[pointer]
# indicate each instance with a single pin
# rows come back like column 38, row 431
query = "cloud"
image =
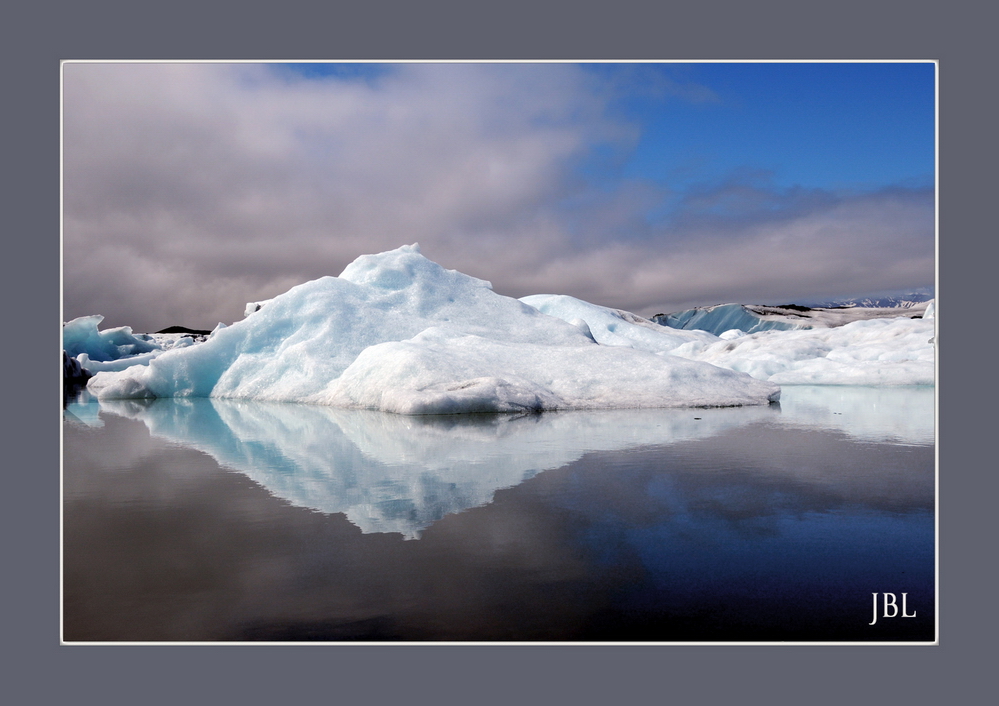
column 191, row 189
column 850, row 244
column 205, row 175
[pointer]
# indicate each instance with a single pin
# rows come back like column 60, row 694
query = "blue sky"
column 648, row 187
column 822, row 125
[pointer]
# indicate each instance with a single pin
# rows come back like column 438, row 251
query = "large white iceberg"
column 398, row 333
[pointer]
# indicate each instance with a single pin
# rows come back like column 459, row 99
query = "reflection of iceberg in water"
column 83, row 411
column 391, row 473
column 881, row 414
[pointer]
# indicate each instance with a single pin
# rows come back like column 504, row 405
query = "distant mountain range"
column 883, row 300
column 752, row 318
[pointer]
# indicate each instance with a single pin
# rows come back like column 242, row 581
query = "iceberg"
column 727, row 317
column 81, row 337
column 396, row 332
column 878, row 351
column 118, row 348
column 753, row 318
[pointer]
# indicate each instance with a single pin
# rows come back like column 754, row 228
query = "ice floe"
column 81, row 336
column 396, row 332
column 874, row 351
column 753, row 318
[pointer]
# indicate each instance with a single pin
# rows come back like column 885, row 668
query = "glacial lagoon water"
column 214, row 520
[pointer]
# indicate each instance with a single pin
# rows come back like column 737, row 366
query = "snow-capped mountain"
column 880, row 300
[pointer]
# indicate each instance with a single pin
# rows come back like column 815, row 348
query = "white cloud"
column 191, row 189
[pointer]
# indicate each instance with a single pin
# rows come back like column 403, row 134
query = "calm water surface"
column 192, row 520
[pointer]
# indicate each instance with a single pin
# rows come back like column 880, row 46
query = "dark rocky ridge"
column 74, row 377
column 184, row 329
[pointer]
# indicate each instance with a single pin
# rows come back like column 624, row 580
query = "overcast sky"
column 191, row 189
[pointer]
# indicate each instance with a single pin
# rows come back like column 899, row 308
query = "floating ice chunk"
column 753, row 318
column 931, row 309
column 397, row 332
column 81, row 336
column 725, row 317
column 167, row 341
